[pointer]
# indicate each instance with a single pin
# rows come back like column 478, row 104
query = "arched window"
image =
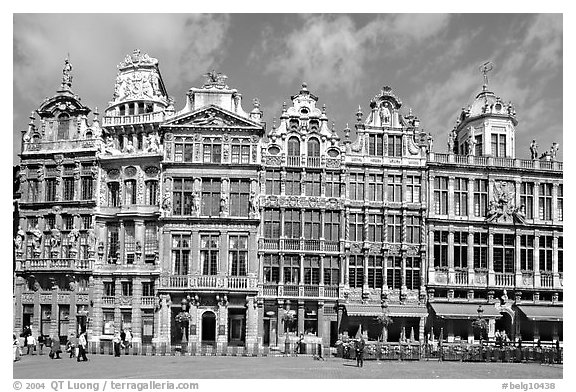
column 293, row 151
column 63, row 126
column 313, row 152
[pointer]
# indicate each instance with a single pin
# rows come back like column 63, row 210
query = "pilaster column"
column 451, row 197
column 136, row 309
column 117, row 311
column 517, row 266
column 321, row 326
column 470, row 255
column 121, row 240
column 300, row 317
column 253, row 319
column 279, row 320
column 491, row 276
column 537, row 260
column 260, row 327
column 451, row 274
column 555, row 274
column 431, row 274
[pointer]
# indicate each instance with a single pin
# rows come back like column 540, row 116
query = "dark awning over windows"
column 373, row 310
column 463, row 311
column 542, row 313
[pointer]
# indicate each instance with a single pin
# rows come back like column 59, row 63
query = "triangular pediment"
column 210, row 117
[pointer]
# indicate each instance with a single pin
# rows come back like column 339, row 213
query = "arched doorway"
column 208, row 327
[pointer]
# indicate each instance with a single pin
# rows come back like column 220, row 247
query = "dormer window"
column 314, row 125
column 294, row 125
column 63, row 126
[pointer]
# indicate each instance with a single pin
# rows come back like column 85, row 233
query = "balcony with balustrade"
column 299, row 244
column 144, row 118
column 299, row 291
column 208, row 283
column 61, row 146
column 482, row 161
column 56, row 265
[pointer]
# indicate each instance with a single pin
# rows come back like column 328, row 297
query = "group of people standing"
column 121, row 339
column 76, row 345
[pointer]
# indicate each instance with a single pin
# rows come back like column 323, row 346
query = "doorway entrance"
column 208, row 327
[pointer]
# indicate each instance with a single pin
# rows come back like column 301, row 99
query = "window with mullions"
column 332, row 225
column 86, row 222
column 293, row 183
column 332, row 184
column 150, row 242
column 238, row 254
column 147, row 289
column 395, row 188
column 375, row 228
column 272, row 224
column 394, row 145
column 479, row 146
column 460, row 249
column 498, row 145
column 356, row 227
column 292, row 223
column 113, row 194
column 312, row 225
column 127, row 289
column 357, row 186
column 527, row 253
column 413, row 187
column 375, row 145
column 560, row 202
column 375, row 272
column 375, row 187
column 50, row 189
column 527, row 198
column 63, row 126
column 240, row 151
column 413, row 273
column 441, row 249
column 209, row 252
column 129, row 242
column 312, row 184
column 50, row 222
column 33, row 190
column 561, row 255
column 313, row 146
column 113, row 243
column 441, row 195
column 545, row 202
column 84, row 246
column 212, row 150
column 67, row 222
column 480, row 250
column 503, row 253
column 291, row 269
column 331, row 270
column 239, row 195
column 110, row 289
column 183, row 148
column 461, row 196
column 356, row 271
column 480, row 197
column 293, row 153
column 130, row 192
column 68, row 188
column 394, row 272
column 87, row 185
column 181, row 254
column 311, row 269
column 413, row 229
column 272, row 182
column 545, row 253
column 271, row 268
column 182, row 196
column 394, row 228
column 211, row 188
column 152, row 192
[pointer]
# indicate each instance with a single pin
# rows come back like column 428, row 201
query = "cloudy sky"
column 430, row 60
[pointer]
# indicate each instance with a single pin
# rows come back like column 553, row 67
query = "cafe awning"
column 541, row 313
column 366, row 310
column 463, row 311
column 373, row 310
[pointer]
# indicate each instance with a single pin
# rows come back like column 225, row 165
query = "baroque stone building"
column 200, row 227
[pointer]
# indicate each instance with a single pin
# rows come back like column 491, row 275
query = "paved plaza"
column 169, row 367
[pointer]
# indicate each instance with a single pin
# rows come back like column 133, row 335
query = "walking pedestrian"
column 360, row 345
column 82, row 344
column 116, row 341
column 16, row 351
column 71, row 345
column 41, row 342
column 129, row 337
column 31, row 343
column 55, row 349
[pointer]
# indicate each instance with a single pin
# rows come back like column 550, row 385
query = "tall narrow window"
column 413, row 229
column 394, row 228
column 312, row 270
column 545, row 202
column 130, row 192
column 527, row 253
column 180, row 254
column 291, row 269
column 527, row 199
column 50, row 189
column 182, row 196
column 440, row 249
column 212, row 150
column 561, row 256
column 313, row 152
column 560, row 202
column 63, row 126
column 395, row 145
column 33, row 190
column 357, row 186
column 293, row 155
column 240, row 151
column 460, row 249
column 113, row 244
column 129, row 242
column 375, row 271
column 113, row 194
column 87, row 186
column 271, row 268
column 461, row 196
column 272, row 224
column 394, row 272
column 293, row 183
column 480, row 197
column 292, row 222
column 413, row 273
column 239, row 195
column 209, row 248
column 312, row 225
column 441, row 195
column 147, row 289
column 211, row 188
column 332, row 226
column 375, row 228
column 127, row 289
column 413, row 189
column 503, row 253
column 376, row 145
column 312, row 184
column 375, row 187
column 84, row 246
column 395, row 188
column 331, row 270
column 332, row 184
column 478, row 146
column 480, row 251
column 272, row 182
column 356, row 271
column 68, row 188
column 238, row 254
column 150, row 242
column 152, row 192
column 545, row 250
column 356, row 227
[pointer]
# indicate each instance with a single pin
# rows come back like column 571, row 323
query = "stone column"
column 320, row 314
column 451, row 197
column 421, row 329
column 260, row 327
column 555, row 274
column 222, row 324
column 470, row 256
column 136, row 309
column 280, row 321
column 300, row 317
column 162, row 331
column 117, row 311
column 253, row 319
column 97, row 313
column 537, row 260
column 517, row 266
column 491, row 276
column 431, row 274
column 139, row 233
column 451, row 274
column 121, row 239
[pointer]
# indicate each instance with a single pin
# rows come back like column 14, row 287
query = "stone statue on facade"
column 471, row 144
column 153, row 143
column 91, row 240
column 129, row 149
column 110, row 148
column 451, row 143
column 55, row 239
column 167, row 202
column 73, row 238
column 223, row 204
column 67, row 74
column 430, row 142
column 554, row 150
column 254, row 203
column 19, row 239
column 36, row 238
column 195, row 202
column 533, row 150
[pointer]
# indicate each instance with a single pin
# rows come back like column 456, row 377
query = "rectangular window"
column 312, row 270
column 130, row 242
column 441, row 195
column 240, row 151
column 212, row 151
column 413, row 187
column 67, row 222
column 312, row 184
column 152, row 192
column 182, row 196
column 291, row 269
column 356, row 271
column 376, row 145
column 461, row 249
column 292, row 223
column 130, row 192
column 480, row 251
column 238, row 254
column 527, row 253
column 87, row 188
column 413, row 273
column 375, row 272
column 356, row 227
column 113, row 194
column 271, row 268
column 357, row 186
column 332, row 184
column 113, row 244
column 312, row 225
column 50, row 189
column 498, row 145
column 331, row 271
column 545, row 253
column 84, row 246
column 478, row 147
column 127, row 289
column 50, row 222
column 183, row 148
column 147, row 289
column 527, row 199
column 560, row 202
column 68, row 188
column 272, row 223
column 332, row 226
column 394, row 145
column 150, row 242
column 211, row 188
column 239, row 195
column 33, row 191
column 503, row 253
column 86, row 222
column 545, row 202
column 209, row 253
column 480, row 197
column 375, row 228
column 413, row 224
column 375, row 187
column 394, row 272
column 561, row 255
column 181, row 254
column 440, row 249
column 395, row 188
column 394, row 228
column 460, row 196
column 293, row 183
column 110, row 289
column 272, row 182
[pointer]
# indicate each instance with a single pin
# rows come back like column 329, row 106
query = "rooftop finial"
column 215, row 78
column 484, row 69
column 67, row 74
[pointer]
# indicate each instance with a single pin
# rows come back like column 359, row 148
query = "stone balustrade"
column 45, row 264
column 241, row 283
column 495, row 162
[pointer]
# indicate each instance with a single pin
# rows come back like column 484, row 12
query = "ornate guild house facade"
column 202, row 228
